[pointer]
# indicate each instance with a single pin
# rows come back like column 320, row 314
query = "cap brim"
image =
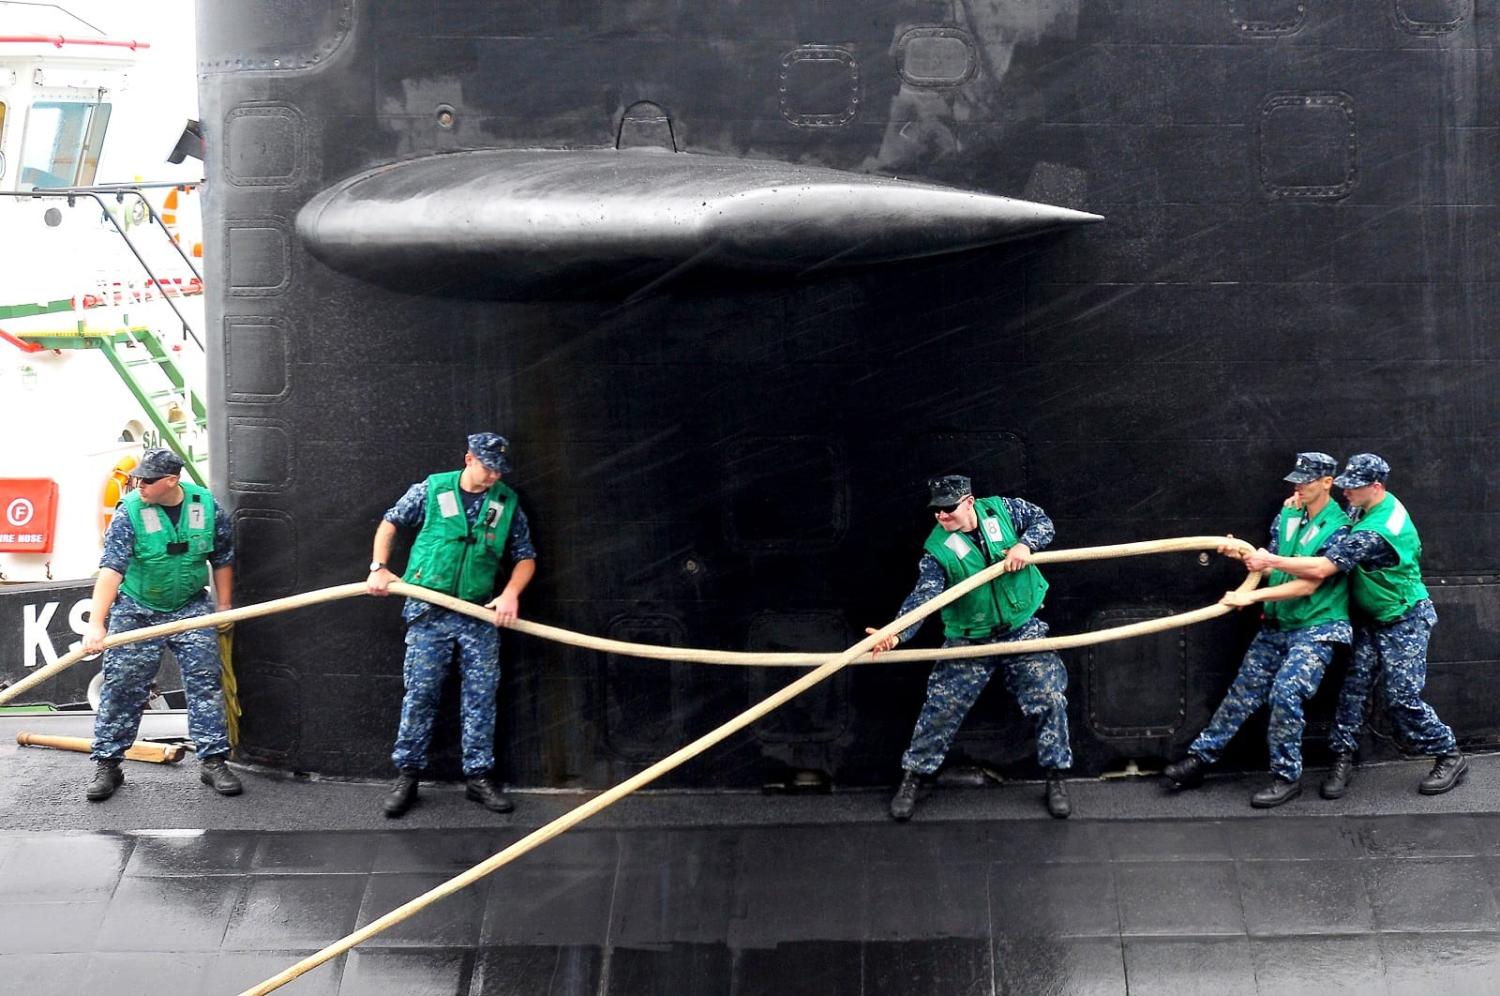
column 1300, row 478
column 1350, row 482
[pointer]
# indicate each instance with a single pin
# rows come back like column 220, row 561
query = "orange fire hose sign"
column 28, row 514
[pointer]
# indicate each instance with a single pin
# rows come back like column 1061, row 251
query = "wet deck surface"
column 741, row 894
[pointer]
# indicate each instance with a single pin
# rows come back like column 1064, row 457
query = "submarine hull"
column 1299, row 250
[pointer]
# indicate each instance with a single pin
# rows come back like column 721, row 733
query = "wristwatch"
column 376, row 565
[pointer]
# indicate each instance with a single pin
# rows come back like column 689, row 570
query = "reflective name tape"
column 1397, row 520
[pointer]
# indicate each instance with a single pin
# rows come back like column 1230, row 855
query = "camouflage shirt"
column 1034, row 528
column 1365, row 548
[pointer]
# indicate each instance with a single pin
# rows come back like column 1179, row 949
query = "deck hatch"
column 255, row 359
column 819, row 86
column 263, row 145
column 265, row 543
column 275, row 37
column 260, row 455
column 258, row 258
column 820, row 715
column 1308, row 145
column 784, row 494
column 1431, row 17
column 1268, row 17
column 1135, row 688
column 936, row 56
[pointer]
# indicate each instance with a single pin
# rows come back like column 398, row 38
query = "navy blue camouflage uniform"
column 433, row 635
column 1038, row 682
column 1283, row 668
column 130, row 670
column 1391, row 657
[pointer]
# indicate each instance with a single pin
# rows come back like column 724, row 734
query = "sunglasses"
column 945, row 509
column 145, row 480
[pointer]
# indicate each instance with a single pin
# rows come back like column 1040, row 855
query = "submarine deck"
column 169, row 888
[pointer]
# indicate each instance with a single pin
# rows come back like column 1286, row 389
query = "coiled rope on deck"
column 827, row 667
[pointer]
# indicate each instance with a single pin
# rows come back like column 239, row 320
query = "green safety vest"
column 1296, row 538
column 168, row 564
column 1387, row 594
column 1004, row 603
column 452, row 556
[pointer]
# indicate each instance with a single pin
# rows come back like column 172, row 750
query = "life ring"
column 115, row 487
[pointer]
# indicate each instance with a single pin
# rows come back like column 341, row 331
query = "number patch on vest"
column 447, row 504
column 992, row 530
column 196, row 518
column 958, row 545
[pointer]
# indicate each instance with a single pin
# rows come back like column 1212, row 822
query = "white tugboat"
column 100, row 311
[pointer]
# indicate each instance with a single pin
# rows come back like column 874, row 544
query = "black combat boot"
column 1057, row 796
column 1280, row 790
column 484, row 792
column 216, row 773
column 1339, row 776
column 402, row 796
column 913, row 787
column 1184, row 774
column 1446, row 773
column 107, row 778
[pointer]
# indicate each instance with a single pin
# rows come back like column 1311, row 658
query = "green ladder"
column 116, row 346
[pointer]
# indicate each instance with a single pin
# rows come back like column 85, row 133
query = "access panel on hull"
column 1301, row 205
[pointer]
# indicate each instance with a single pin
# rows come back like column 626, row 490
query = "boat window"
column 61, row 148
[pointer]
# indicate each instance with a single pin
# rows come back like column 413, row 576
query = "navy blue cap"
column 489, row 449
column 949, row 489
column 158, row 462
column 1311, row 466
column 1363, row 470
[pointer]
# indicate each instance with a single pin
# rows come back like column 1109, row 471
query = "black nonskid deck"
column 168, row 888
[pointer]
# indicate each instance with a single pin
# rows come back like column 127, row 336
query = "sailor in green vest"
column 1393, row 622
column 1301, row 623
column 159, row 548
column 970, row 535
column 469, row 524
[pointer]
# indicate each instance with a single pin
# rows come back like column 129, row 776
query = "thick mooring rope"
column 825, row 667
column 692, row 655
column 826, row 670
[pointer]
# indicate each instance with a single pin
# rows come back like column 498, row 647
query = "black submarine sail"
column 662, row 247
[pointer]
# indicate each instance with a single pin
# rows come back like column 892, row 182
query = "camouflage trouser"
column 1393, row 658
column 1039, row 683
column 129, row 671
column 1283, row 669
column 431, row 640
